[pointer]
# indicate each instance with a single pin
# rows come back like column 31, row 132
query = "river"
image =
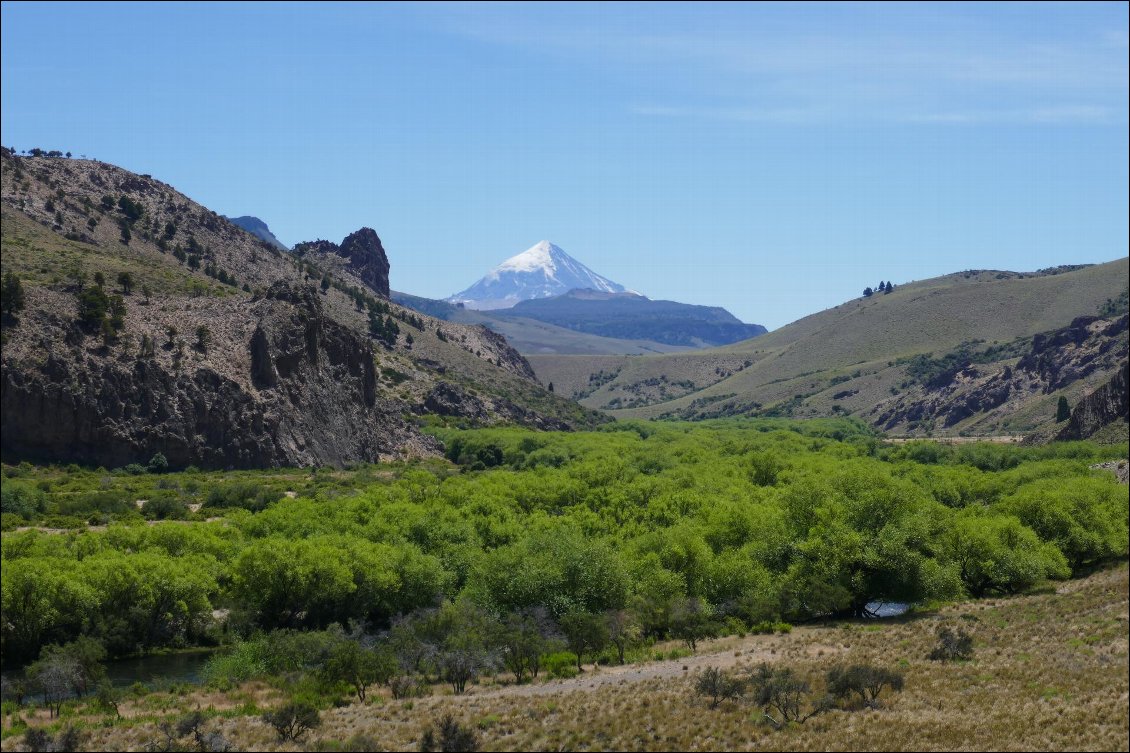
column 183, row 666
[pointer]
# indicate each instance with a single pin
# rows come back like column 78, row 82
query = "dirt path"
column 723, row 653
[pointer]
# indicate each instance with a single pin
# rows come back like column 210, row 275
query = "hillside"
column 855, row 358
column 287, row 371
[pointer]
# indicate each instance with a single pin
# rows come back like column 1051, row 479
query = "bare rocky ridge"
column 290, row 375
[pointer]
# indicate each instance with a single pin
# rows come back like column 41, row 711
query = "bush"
column 68, row 738
column 21, row 500
column 952, row 645
column 164, row 507
column 248, row 496
column 718, row 686
column 293, row 720
column 779, row 691
column 863, row 680
column 561, row 665
column 448, row 735
column 406, row 686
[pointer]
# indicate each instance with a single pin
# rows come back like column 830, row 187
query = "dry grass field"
column 1049, row 672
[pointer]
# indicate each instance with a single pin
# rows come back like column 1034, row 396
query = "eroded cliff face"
column 1104, row 406
column 1089, row 345
column 283, row 385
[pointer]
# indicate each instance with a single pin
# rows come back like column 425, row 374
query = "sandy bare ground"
column 723, row 653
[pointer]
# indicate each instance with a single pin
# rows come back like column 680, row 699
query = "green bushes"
column 247, row 496
column 20, row 499
column 562, row 665
column 640, row 532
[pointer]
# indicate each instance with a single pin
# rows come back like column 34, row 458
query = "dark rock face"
column 367, row 258
column 312, row 399
column 364, row 255
column 447, row 399
column 1105, row 405
column 1055, row 360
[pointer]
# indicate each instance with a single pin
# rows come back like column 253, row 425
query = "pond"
column 888, row 608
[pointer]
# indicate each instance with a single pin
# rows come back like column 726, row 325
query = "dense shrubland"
column 538, row 549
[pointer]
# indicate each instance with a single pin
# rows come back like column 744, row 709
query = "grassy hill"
column 860, row 347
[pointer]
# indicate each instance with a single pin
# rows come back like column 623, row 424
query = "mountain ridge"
column 259, row 229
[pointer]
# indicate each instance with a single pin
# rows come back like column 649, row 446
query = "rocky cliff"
column 360, row 254
column 1090, row 346
column 1104, row 406
column 299, row 390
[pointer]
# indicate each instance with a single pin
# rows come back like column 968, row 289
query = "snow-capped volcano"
column 541, row 271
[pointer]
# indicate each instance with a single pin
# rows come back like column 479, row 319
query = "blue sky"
column 772, row 159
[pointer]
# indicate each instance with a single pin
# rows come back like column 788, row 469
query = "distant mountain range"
column 633, row 317
column 598, row 323
column 545, row 301
column 541, row 271
column 259, row 229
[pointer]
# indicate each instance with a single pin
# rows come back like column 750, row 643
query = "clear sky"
column 772, row 159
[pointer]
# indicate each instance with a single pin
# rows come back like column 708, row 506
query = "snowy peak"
column 541, row 271
column 541, row 257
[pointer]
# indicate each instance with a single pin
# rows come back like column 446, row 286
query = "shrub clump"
column 293, row 720
column 864, row 680
column 953, row 645
column 448, row 736
column 718, row 686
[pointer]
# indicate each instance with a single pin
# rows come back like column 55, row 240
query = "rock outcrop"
column 1088, row 346
column 454, row 401
column 1107, row 404
column 363, row 254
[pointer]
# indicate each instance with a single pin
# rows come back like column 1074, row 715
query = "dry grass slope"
column 858, row 340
